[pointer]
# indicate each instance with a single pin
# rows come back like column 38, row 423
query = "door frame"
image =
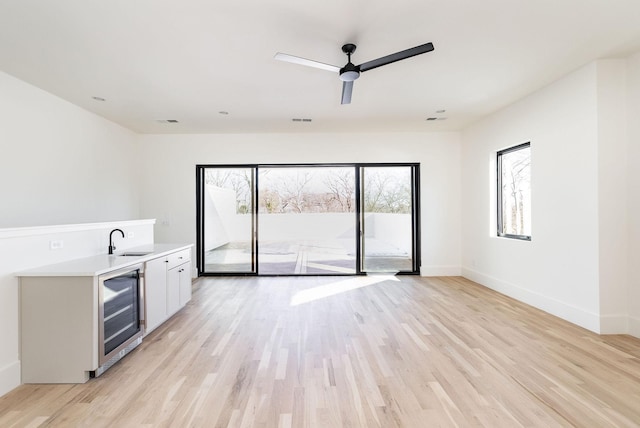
column 358, row 221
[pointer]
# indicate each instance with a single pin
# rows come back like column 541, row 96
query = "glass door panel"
column 387, row 220
column 228, row 221
column 306, row 220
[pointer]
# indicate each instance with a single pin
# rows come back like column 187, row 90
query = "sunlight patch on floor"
column 331, row 289
column 330, row 268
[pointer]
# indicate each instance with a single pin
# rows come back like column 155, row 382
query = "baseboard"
column 634, row 327
column 9, row 377
column 567, row 312
column 440, row 271
column 614, row 324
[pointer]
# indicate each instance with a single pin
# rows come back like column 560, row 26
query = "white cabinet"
column 59, row 328
column 167, row 285
column 155, row 292
column 60, row 308
column 184, row 272
column 173, row 291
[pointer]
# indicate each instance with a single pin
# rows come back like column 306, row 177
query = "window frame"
column 499, row 212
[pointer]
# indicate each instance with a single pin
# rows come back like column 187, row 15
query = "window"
column 514, row 192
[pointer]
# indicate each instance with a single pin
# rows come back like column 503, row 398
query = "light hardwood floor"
column 352, row 352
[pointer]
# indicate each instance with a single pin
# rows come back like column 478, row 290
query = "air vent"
column 432, row 118
column 301, row 120
column 167, row 121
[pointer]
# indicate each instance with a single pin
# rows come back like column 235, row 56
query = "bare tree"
column 269, row 201
column 341, row 187
column 291, row 191
column 385, row 192
column 217, row 177
column 242, row 184
column 374, row 188
column 238, row 180
column 515, row 179
column 295, row 191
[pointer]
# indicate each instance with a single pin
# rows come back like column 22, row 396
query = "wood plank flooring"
column 352, row 352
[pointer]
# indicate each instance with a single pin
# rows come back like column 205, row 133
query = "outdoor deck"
column 302, row 257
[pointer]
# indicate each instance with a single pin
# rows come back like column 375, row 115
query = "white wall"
column 558, row 270
column 584, row 199
column 59, row 164
column 168, row 181
column 633, row 195
column 612, row 195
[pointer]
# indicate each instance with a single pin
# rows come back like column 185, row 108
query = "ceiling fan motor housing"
column 349, row 72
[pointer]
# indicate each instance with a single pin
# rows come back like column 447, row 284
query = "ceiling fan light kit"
column 350, row 72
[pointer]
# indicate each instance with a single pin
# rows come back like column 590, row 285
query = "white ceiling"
column 190, row 59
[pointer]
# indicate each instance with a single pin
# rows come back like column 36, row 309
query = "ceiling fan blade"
column 408, row 53
column 347, row 88
column 308, row 62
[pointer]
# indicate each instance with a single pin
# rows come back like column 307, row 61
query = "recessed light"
column 440, row 111
column 99, row 99
column 223, row 112
column 432, row 118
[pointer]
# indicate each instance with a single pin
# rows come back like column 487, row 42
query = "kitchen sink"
column 135, row 253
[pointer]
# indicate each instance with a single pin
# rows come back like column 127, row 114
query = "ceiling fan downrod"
column 349, row 72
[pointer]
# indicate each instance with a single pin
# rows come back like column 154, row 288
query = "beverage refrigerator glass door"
column 121, row 313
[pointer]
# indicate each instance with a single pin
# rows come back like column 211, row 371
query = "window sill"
column 515, row 237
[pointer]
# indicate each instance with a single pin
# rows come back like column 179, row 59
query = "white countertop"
column 103, row 263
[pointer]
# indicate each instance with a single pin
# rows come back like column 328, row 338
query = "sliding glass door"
column 227, row 223
column 322, row 219
column 307, row 220
column 387, row 240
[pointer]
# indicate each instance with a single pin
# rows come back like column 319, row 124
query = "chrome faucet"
column 111, row 246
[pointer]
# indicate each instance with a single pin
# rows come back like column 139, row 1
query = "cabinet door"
column 155, row 287
column 173, row 290
column 185, row 283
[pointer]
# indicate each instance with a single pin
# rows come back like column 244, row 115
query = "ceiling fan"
column 351, row 72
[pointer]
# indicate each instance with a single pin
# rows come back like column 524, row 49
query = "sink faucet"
column 111, row 246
